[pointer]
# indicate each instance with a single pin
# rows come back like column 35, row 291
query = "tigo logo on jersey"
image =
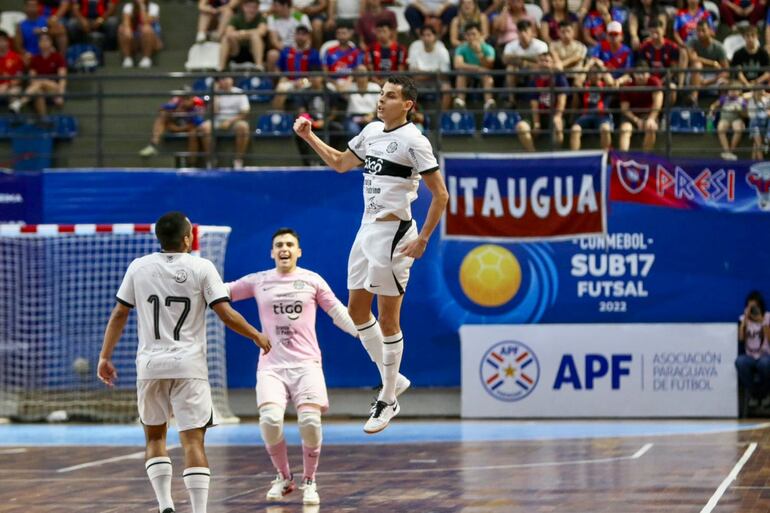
column 509, row 371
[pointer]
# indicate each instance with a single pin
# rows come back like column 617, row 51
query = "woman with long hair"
column 468, row 12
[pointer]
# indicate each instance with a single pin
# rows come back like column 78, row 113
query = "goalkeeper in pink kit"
column 288, row 297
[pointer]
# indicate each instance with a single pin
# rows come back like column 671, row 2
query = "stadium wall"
column 657, row 264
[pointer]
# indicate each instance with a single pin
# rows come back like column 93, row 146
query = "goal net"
column 57, row 289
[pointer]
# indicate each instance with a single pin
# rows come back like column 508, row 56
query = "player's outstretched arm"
column 340, row 161
column 238, row 324
column 439, row 198
column 105, row 371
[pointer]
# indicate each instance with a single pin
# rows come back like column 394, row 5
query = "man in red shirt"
column 10, row 65
column 386, row 55
column 661, row 54
column 640, row 109
column 51, row 71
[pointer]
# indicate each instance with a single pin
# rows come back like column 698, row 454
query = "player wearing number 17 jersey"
column 395, row 157
column 171, row 291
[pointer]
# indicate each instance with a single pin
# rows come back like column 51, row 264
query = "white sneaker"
column 309, row 493
column 128, row 62
column 145, row 63
column 15, row 106
column 729, row 155
column 459, row 103
column 238, row 164
column 382, row 413
column 490, row 104
column 200, row 37
column 280, row 487
column 148, row 151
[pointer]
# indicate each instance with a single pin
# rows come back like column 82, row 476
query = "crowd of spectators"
column 582, row 51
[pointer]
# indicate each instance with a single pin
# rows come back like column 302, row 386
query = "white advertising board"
column 599, row 370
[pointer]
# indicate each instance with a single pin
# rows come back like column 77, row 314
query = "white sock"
column 159, row 471
column 392, row 350
column 371, row 338
column 196, row 479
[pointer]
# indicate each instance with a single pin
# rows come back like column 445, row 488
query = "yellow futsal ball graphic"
column 490, row 275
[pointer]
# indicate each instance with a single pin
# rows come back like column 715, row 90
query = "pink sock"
column 279, row 455
column 310, row 456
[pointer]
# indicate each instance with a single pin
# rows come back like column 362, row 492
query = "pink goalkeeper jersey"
column 287, row 310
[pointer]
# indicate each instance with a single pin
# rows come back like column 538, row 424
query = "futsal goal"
column 57, row 289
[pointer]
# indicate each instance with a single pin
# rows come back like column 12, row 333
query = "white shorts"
column 189, row 400
column 376, row 263
column 301, row 385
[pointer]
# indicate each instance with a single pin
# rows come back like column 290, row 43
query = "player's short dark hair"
column 346, row 24
column 654, row 23
column 703, row 22
column 429, row 28
column 472, row 25
column 170, row 230
column 523, row 25
column 285, row 231
column 564, row 24
column 408, row 89
column 4, row 35
column 382, row 22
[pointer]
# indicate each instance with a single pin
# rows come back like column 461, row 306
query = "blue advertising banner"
column 655, row 265
column 20, row 197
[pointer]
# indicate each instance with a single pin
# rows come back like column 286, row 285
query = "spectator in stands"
column 48, row 75
column 386, row 55
column 687, row 19
column 751, row 60
column 429, row 55
column 640, row 109
column 551, row 22
column 753, row 361
column 596, row 21
column 244, row 37
column 281, row 25
column 758, row 108
column 661, row 54
column 316, row 11
column 28, row 30
column 97, row 20
column 547, row 104
column 349, row 11
column 641, row 19
column 504, row 26
column 11, row 65
column 593, row 112
column 732, row 109
column 231, row 110
column 477, row 57
column 340, row 57
column 611, row 51
column 140, row 32
column 734, row 11
column 708, row 57
column 469, row 12
column 569, row 54
column 522, row 54
column 362, row 103
column 56, row 11
column 438, row 13
column 180, row 115
column 214, row 13
column 371, row 15
column 296, row 62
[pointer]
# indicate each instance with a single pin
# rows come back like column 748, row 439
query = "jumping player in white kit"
column 288, row 297
column 170, row 291
column 395, row 157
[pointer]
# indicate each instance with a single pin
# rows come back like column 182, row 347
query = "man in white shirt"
column 171, row 291
column 522, row 53
column 231, row 111
column 428, row 54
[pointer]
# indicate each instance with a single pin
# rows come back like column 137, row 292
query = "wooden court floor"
column 690, row 473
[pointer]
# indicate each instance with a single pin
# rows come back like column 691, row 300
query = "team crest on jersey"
column 509, row 371
column 299, row 284
column 392, row 147
column 180, row 276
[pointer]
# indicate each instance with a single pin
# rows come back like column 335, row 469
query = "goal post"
column 57, row 289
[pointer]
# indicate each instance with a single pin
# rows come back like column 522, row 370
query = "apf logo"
column 633, row 176
column 759, row 180
column 509, row 371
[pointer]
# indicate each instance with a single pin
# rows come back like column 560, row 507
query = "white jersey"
column 393, row 162
column 170, row 292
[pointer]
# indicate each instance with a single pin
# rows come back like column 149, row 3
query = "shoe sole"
column 312, row 503
column 368, row 432
column 284, row 494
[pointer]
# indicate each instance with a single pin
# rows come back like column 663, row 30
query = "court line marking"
column 711, row 504
column 133, row 455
